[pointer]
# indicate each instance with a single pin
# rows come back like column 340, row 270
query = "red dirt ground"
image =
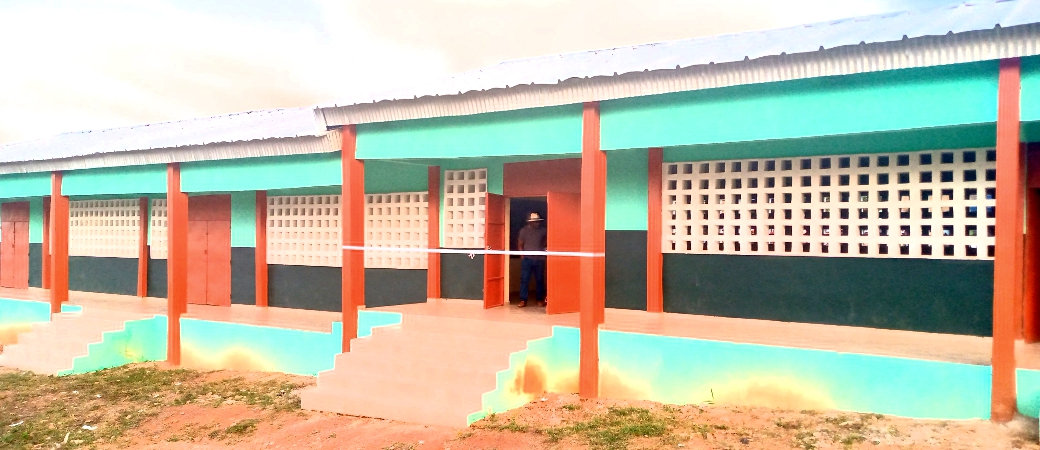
column 692, row 427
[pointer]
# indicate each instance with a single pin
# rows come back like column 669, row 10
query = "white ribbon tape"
column 474, row 251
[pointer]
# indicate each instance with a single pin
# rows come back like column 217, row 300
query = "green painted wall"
column 383, row 177
column 212, row 345
column 36, row 220
column 1028, row 392
column 1031, row 89
column 929, row 295
column 18, row 185
column 680, row 371
column 627, row 183
column 555, row 130
column 243, row 219
column 252, row 174
column 879, row 101
column 149, row 179
column 963, row 136
column 316, row 190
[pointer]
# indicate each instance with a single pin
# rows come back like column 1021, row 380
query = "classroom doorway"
column 209, row 250
column 561, row 213
column 519, row 210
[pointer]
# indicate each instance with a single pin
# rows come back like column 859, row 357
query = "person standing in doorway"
column 532, row 238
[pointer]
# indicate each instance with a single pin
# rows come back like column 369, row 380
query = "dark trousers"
column 534, row 267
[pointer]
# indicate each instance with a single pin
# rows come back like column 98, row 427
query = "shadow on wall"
column 208, row 345
column 17, row 316
column 690, row 371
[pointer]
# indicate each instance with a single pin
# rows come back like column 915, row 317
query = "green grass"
column 46, row 409
column 614, row 429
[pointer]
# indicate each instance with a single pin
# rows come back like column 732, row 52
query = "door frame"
column 496, row 237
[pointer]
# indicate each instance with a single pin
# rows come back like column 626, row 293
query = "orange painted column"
column 45, row 275
column 433, row 262
column 1008, row 261
column 176, row 260
column 59, row 291
column 261, row 248
column 654, row 257
column 142, row 249
column 353, row 222
column 593, row 239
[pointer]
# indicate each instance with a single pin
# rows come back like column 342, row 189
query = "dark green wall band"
column 157, row 278
column 934, row 296
column 305, row 287
column 386, row 287
column 462, row 277
column 243, row 275
column 626, row 270
column 105, row 275
column 35, row 265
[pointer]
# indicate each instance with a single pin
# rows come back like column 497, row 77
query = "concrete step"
column 429, row 370
column 473, row 327
column 51, row 347
column 390, row 407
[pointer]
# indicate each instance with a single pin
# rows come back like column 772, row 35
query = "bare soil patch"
column 153, row 407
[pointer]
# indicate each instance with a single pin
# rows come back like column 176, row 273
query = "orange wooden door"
column 218, row 263
column 197, row 264
column 494, row 239
column 563, row 234
column 14, row 245
column 209, row 250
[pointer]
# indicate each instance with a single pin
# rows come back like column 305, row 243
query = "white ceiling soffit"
column 192, row 133
column 968, row 32
column 327, row 142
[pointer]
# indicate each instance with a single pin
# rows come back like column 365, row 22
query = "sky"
column 92, row 64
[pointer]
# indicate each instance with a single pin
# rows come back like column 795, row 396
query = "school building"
column 843, row 215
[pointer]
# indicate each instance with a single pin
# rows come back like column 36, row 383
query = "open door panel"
column 563, row 235
column 494, row 239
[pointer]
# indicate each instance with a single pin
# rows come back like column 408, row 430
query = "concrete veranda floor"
column 897, row 343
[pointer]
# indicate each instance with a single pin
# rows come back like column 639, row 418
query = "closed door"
column 14, row 245
column 209, row 250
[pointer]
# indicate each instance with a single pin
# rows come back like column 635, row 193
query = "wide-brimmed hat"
column 534, row 217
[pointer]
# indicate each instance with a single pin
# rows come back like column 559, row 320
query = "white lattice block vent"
column 464, row 194
column 104, row 228
column 931, row 204
column 397, row 220
column 157, row 230
column 304, row 230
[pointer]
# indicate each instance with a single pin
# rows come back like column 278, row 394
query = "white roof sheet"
column 889, row 27
column 246, row 126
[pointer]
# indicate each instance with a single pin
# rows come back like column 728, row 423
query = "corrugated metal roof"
column 963, row 32
column 329, row 142
column 239, row 127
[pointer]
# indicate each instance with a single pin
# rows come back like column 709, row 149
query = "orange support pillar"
column 176, row 260
column 261, row 248
column 1008, row 261
column 59, row 244
column 142, row 248
column 593, row 239
column 353, row 222
column 654, row 257
column 45, row 275
column 433, row 264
